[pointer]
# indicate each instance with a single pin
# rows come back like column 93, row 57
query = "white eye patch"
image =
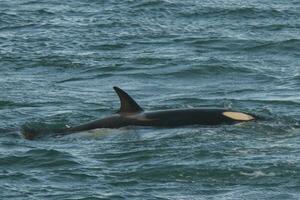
column 238, row 116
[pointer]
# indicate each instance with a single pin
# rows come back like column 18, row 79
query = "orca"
column 131, row 114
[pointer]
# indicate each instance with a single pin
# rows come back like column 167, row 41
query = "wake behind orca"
column 131, row 114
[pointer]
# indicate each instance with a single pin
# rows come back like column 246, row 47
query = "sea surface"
column 60, row 59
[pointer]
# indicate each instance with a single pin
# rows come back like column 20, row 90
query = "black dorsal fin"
column 128, row 105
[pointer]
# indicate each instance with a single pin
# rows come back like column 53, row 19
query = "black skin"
column 131, row 114
column 164, row 118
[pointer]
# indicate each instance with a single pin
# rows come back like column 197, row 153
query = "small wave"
column 247, row 12
column 285, row 45
column 33, row 2
column 12, row 104
column 55, row 61
column 210, row 70
column 136, row 155
column 48, row 153
column 101, row 196
column 230, row 44
column 258, row 173
column 152, row 3
column 100, row 72
column 14, row 175
column 151, row 60
column 17, row 27
column 275, row 101
column 73, row 79
column 272, row 27
column 77, row 175
column 198, row 40
column 185, row 172
column 6, row 103
column 44, row 12
column 108, row 47
column 296, row 77
column 40, row 158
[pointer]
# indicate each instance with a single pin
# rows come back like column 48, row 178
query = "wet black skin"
column 131, row 114
column 164, row 118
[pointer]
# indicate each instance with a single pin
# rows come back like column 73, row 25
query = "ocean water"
column 60, row 59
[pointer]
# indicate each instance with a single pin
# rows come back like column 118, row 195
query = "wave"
column 55, row 61
column 207, row 171
column 12, row 104
column 246, row 12
column 147, row 60
column 108, row 47
column 40, row 158
column 6, row 103
column 297, row 77
column 154, row 3
column 210, row 69
column 273, row 27
column 291, row 45
column 73, row 79
column 248, row 45
column 155, row 70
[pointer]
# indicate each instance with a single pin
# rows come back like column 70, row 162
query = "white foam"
column 95, row 133
column 257, row 174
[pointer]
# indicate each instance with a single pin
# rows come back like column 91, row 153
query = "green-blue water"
column 60, row 59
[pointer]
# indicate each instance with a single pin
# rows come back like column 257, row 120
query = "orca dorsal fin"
column 128, row 105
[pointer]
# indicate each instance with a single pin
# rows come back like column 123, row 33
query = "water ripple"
column 59, row 61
